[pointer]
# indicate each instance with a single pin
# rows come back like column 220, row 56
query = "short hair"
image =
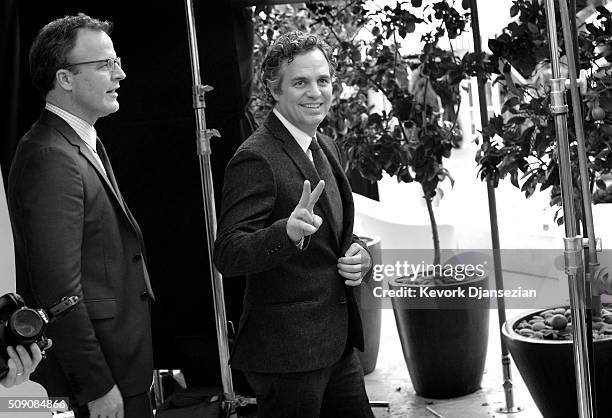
column 50, row 49
column 285, row 48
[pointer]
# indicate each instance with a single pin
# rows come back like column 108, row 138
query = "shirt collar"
column 302, row 138
column 85, row 131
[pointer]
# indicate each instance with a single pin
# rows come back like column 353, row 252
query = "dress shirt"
column 301, row 137
column 83, row 129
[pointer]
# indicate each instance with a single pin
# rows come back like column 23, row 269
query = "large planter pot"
column 547, row 368
column 445, row 346
column 370, row 311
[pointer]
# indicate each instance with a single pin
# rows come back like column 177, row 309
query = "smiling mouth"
column 113, row 91
column 311, row 105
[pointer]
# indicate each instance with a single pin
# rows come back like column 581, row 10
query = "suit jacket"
column 74, row 235
column 298, row 315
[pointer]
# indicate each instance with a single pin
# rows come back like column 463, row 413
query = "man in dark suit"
column 300, row 323
column 74, row 234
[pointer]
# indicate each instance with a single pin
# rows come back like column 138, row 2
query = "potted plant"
column 444, row 346
column 522, row 147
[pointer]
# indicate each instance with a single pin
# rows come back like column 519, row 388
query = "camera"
column 20, row 325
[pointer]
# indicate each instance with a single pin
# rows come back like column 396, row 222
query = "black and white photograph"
column 306, row 209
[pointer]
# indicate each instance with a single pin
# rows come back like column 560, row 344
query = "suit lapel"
column 74, row 139
column 345, row 193
column 301, row 160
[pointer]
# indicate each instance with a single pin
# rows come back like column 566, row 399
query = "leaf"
column 514, row 178
column 510, row 104
column 532, row 27
column 601, row 184
column 465, row 4
column 517, row 120
column 602, row 10
column 514, row 10
column 417, row 3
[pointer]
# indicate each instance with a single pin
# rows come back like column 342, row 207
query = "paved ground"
column 390, row 382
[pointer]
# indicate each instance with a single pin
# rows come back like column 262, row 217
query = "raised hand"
column 302, row 221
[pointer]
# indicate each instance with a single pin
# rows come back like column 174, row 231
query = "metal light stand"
column 230, row 400
column 574, row 263
column 499, row 280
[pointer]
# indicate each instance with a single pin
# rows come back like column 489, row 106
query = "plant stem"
column 434, row 230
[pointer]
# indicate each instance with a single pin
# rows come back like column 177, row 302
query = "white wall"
column 7, row 252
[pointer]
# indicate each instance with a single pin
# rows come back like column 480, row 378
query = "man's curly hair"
column 285, row 48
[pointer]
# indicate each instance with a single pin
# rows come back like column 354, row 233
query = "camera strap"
column 66, row 304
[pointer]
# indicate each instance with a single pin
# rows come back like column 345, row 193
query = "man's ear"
column 272, row 89
column 64, row 79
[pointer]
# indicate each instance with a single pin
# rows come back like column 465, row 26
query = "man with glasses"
column 74, row 234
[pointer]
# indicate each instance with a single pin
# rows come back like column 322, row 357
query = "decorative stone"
column 558, row 322
column 558, row 326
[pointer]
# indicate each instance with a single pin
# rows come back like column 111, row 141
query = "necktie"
column 331, row 191
column 101, row 152
column 96, row 156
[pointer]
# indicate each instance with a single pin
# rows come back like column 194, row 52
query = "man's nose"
column 118, row 73
column 314, row 91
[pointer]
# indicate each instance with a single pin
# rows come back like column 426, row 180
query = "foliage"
column 408, row 139
column 523, row 141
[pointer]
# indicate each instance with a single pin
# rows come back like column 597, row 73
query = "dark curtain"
column 152, row 145
column 10, row 77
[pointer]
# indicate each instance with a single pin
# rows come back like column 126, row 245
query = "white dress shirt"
column 301, row 137
column 83, row 129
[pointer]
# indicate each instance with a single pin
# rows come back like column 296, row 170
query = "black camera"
column 20, row 325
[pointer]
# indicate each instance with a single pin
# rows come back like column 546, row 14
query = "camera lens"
column 26, row 323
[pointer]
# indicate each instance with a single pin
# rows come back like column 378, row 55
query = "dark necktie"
column 331, row 191
column 109, row 170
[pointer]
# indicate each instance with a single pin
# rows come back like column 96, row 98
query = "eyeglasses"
column 111, row 64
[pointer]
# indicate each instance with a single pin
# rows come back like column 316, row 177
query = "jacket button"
column 343, row 300
column 137, row 257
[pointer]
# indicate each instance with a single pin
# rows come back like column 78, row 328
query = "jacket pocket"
column 285, row 305
column 101, row 308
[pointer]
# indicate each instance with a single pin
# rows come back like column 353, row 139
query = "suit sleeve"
column 51, row 200
column 368, row 274
column 248, row 242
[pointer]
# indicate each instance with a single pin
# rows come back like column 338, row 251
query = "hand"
column 303, row 222
column 21, row 364
column 354, row 264
column 108, row 406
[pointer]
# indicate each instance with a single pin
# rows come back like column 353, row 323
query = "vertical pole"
column 499, row 280
column 574, row 264
column 568, row 21
column 204, row 151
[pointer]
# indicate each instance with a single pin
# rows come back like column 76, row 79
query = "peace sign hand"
column 302, row 221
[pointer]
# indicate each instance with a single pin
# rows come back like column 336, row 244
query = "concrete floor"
column 390, row 382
